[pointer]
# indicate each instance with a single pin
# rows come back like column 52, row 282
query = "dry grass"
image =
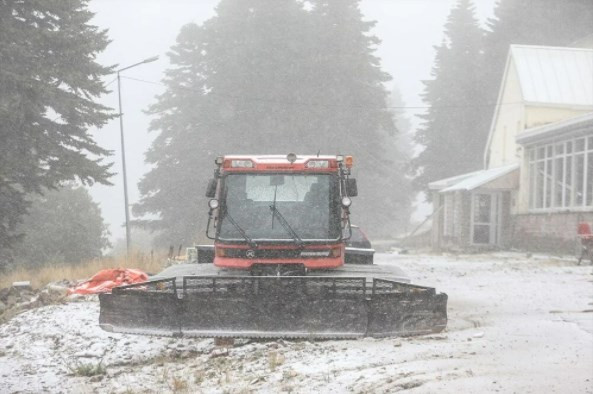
column 275, row 360
column 39, row 277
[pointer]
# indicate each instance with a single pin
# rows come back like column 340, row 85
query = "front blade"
column 273, row 307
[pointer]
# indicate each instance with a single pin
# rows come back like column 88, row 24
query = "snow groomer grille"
column 308, row 286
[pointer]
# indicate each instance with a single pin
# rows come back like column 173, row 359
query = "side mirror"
column 351, row 188
column 211, row 190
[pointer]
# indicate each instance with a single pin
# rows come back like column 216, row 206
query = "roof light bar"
column 318, row 164
column 241, row 164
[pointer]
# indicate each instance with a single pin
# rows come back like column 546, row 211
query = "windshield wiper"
column 249, row 240
column 297, row 240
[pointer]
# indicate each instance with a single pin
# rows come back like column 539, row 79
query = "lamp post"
column 123, row 149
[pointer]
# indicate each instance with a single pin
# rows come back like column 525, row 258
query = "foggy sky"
column 139, row 29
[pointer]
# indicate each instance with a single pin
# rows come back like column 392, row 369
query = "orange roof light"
column 349, row 161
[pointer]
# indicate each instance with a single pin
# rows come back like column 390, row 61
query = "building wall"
column 522, row 193
column 548, row 232
column 506, row 221
column 459, row 239
column 509, row 120
column 437, row 221
column 513, row 117
column 541, row 115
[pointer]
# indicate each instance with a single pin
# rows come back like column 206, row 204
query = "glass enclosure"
column 561, row 175
column 310, row 203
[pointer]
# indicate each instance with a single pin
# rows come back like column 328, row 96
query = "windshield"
column 309, row 203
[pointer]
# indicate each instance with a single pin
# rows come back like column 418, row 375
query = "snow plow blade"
column 273, row 307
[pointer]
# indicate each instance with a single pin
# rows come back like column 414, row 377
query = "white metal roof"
column 446, row 182
column 580, row 124
column 473, row 180
column 554, row 75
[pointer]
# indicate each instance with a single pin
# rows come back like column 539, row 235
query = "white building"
column 537, row 181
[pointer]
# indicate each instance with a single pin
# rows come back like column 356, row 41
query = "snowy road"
column 516, row 325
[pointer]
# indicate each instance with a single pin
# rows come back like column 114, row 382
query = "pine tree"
column 403, row 150
column 232, row 89
column 49, row 80
column 262, row 77
column 62, row 226
column 349, row 79
column 452, row 131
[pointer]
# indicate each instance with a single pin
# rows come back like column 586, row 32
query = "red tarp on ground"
column 105, row 280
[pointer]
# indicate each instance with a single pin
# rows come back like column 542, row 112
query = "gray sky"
column 139, row 29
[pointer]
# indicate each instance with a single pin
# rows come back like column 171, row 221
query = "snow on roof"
column 554, row 75
column 446, row 182
column 583, row 123
column 476, row 179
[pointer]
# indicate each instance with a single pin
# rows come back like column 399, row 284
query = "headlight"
column 346, row 202
column 220, row 252
column 336, row 252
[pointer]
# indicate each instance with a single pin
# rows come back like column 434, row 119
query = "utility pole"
column 123, row 151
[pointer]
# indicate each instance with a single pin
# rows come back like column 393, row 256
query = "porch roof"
column 472, row 180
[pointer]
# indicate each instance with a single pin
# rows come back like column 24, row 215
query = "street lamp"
column 123, row 149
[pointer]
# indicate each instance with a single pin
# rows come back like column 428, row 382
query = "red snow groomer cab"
column 273, row 219
column 280, row 214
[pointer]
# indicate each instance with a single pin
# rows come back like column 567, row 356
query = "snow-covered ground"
column 516, row 324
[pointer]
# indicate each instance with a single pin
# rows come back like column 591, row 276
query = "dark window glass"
column 549, row 151
column 310, row 204
column 549, row 185
column 539, row 184
column 482, row 206
column 568, row 194
column 579, row 187
column 532, row 176
column 590, row 179
column 558, row 181
column 481, row 234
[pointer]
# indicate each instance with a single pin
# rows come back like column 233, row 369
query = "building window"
column 561, row 175
column 486, row 218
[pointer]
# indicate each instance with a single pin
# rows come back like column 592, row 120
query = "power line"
column 313, row 104
column 109, row 83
